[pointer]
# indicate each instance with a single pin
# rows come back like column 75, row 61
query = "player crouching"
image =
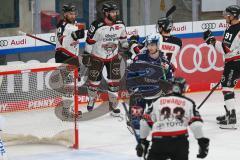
column 168, row 118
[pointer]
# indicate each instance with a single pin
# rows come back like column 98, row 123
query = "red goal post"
column 39, row 103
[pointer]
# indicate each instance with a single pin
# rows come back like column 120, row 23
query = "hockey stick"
column 171, row 10
column 209, row 94
column 34, row 37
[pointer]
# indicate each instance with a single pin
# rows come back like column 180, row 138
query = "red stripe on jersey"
column 194, row 119
column 175, row 133
column 148, row 119
column 226, row 49
column 90, row 41
column 113, row 83
column 232, row 59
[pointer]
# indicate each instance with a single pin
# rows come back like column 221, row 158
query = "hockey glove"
column 208, row 37
column 203, row 147
column 133, row 40
column 78, row 34
column 142, row 148
column 86, row 60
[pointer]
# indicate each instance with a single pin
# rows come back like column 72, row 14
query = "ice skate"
column 230, row 121
column 115, row 112
column 223, row 117
column 90, row 104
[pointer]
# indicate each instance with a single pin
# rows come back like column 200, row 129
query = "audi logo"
column 198, row 59
column 208, row 26
column 3, row 43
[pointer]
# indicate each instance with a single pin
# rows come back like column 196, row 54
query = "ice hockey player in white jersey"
column 2, row 148
column 230, row 48
column 67, row 37
column 169, row 45
column 168, row 119
column 102, row 49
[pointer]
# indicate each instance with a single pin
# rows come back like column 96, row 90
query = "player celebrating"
column 230, row 48
column 170, row 45
column 68, row 35
column 168, row 119
column 102, row 45
column 152, row 56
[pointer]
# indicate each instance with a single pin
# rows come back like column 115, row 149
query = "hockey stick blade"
column 171, row 10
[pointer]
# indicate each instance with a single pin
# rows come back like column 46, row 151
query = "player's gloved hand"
column 208, row 37
column 203, row 147
column 78, row 34
column 133, row 45
column 165, row 65
column 142, row 147
column 86, row 60
column 133, row 40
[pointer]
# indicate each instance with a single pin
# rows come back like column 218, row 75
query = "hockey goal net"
column 39, row 103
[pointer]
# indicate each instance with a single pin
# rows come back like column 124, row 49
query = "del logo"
column 117, row 27
column 168, row 47
column 19, row 42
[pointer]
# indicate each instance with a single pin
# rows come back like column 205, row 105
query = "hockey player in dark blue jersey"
column 151, row 56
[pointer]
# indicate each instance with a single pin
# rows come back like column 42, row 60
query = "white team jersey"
column 170, row 46
column 103, row 40
column 171, row 115
column 230, row 46
column 64, row 38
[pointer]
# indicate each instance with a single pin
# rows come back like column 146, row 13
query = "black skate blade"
column 228, row 126
column 115, row 114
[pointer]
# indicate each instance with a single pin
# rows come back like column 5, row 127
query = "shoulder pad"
column 60, row 23
column 94, row 27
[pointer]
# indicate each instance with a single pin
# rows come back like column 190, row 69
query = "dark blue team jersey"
column 159, row 61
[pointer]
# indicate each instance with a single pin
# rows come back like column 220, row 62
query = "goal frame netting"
column 59, row 138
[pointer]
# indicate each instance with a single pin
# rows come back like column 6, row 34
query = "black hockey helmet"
column 109, row 6
column 233, row 10
column 165, row 23
column 68, row 8
column 179, row 85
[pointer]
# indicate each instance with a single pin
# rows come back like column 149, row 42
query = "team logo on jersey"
column 117, row 27
column 109, row 47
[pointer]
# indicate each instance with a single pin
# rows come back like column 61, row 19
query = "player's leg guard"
column 92, row 94
column 229, row 120
column 113, row 89
column 113, row 76
column 94, row 77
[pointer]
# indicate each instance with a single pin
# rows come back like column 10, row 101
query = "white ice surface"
column 109, row 139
